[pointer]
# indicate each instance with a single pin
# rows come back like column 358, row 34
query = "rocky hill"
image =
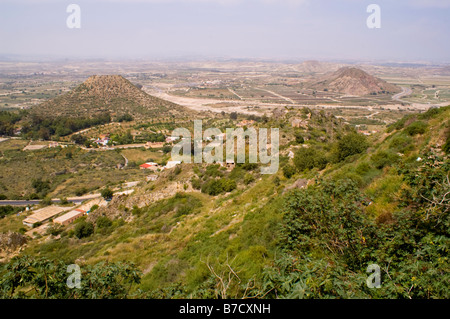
column 354, row 81
column 108, row 93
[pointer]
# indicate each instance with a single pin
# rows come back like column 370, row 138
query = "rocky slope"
column 354, row 81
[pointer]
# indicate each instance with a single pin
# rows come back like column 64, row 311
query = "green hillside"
column 344, row 202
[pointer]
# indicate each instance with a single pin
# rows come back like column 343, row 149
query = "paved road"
column 76, row 200
column 405, row 92
column 33, row 202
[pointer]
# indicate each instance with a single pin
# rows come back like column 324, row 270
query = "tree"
column 416, row 128
column 41, row 186
column 84, row 229
column 299, row 139
column 309, row 158
column 166, row 149
column 107, row 193
column 125, row 118
column 103, row 222
column 79, row 139
column 289, row 171
column 351, row 144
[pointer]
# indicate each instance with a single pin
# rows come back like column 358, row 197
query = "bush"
column 41, row 186
column 446, row 146
column 351, row 144
column 362, row 168
column 84, row 229
column 289, row 171
column 196, row 183
column 416, row 128
column 166, row 149
column 7, row 210
column 383, row 158
column 215, row 187
column 46, row 201
column 299, row 139
column 107, row 193
column 81, row 191
column 125, row 118
column 54, row 230
column 103, row 222
column 309, row 158
column 401, row 143
column 431, row 113
column 248, row 178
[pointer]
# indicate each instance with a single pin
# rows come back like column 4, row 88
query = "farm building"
column 172, row 139
column 42, row 215
column 150, row 165
column 70, row 217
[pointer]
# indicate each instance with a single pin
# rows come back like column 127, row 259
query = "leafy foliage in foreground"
column 328, row 241
column 27, row 277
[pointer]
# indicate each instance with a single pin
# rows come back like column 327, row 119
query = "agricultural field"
column 62, row 172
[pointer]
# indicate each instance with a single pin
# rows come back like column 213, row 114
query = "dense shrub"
column 7, row 210
column 309, row 158
column 401, row 143
column 84, row 229
column 40, row 278
column 107, row 193
column 103, row 222
column 196, row 183
column 248, row 178
column 416, row 128
column 218, row 186
column 299, row 139
column 289, row 171
column 351, row 144
column 384, row 158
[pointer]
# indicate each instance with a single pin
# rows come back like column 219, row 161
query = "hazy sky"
column 411, row 30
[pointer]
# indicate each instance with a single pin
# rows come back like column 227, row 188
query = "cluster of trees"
column 8, row 121
column 317, row 157
column 45, row 128
column 83, row 229
column 215, row 187
column 7, row 210
column 150, row 137
column 251, row 117
column 41, row 187
column 212, row 181
column 125, row 118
